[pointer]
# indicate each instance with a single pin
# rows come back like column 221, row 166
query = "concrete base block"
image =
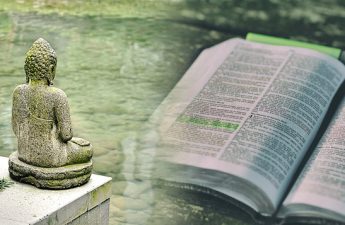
column 23, row 204
column 96, row 216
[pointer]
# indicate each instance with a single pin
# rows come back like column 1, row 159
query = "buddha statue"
column 48, row 155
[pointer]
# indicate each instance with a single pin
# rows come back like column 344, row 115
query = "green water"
column 115, row 71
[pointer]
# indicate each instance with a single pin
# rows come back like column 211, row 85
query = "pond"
column 115, row 71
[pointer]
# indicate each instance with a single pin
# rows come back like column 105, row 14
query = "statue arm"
column 63, row 118
column 15, row 107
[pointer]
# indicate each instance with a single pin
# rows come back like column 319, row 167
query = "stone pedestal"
column 49, row 178
column 23, row 204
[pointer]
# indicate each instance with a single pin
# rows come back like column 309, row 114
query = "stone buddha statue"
column 48, row 155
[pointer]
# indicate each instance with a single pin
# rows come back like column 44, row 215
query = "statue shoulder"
column 20, row 88
column 57, row 94
column 57, row 91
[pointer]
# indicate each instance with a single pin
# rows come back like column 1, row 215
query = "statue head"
column 40, row 62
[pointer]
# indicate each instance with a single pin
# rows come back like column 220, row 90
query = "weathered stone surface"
column 42, row 124
column 24, row 204
column 52, row 178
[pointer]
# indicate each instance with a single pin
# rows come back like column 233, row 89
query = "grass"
column 4, row 183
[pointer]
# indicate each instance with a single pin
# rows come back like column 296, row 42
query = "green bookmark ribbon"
column 334, row 52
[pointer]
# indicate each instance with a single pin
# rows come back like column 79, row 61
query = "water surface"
column 115, row 71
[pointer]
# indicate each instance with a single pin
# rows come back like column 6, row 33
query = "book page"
column 322, row 183
column 250, row 110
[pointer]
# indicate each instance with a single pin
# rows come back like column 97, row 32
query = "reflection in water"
column 115, row 72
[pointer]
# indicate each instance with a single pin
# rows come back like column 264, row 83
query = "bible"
column 262, row 125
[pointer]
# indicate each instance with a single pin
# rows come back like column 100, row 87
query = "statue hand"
column 80, row 141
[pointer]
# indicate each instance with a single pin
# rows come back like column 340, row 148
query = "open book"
column 263, row 125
